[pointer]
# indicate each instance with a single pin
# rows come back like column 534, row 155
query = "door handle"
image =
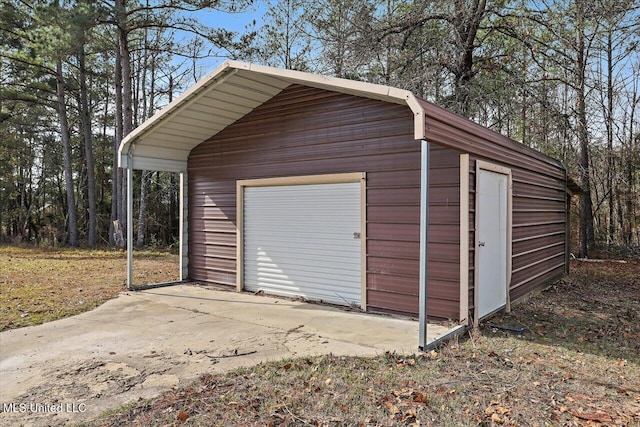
column 480, row 243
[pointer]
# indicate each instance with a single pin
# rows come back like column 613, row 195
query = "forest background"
column 77, row 76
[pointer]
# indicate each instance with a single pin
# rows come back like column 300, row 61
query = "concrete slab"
column 143, row 343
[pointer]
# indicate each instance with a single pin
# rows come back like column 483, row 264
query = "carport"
column 354, row 194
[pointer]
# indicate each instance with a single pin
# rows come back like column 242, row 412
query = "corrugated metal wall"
column 444, row 232
column 539, row 198
column 307, row 131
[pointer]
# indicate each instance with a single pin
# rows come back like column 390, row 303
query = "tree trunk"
column 117, row 207
column 88, row 149
column 466, row 22
column 609, row 118
column 127, row 98
column 586, row 206
column 66, row 154
column 142, row 209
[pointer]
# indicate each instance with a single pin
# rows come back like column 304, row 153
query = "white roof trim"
column 258, row 84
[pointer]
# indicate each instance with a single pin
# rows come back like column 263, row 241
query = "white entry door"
column 304, row 241
column 492, row 214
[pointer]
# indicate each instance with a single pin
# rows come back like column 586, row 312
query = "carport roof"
column 227, row 94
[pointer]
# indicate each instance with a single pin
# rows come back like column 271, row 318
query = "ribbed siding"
column 538, row 228
column 444, row 232
column 307, row 131
column 538, row 246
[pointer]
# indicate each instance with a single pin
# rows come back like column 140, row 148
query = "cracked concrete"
column 143, row 343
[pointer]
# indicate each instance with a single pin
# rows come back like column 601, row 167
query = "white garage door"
column 304, row 240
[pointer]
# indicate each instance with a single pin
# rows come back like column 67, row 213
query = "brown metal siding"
column 538, row 197
column 444, row 232
column 307, row 131
column 538, row 229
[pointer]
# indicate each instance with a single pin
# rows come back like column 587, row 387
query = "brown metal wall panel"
column 536, row 282
column 523, row 189
column 450, row 130
column 534, row 216
column 444, row 231
column 393, row 266
column 522, row 261
column 212, row 276
column 393, row 249
column 537, row 229
column 538, row 225
column 444, row 234
column 444, row 251
column 444, row 215
column 395, row 178
column 398, row 213
column 533, row 243
column 402, row 285
column 393, row 232
column 219, row 251
column 200, row 238
column 305, row 166
column 444, row 195
column 525, row 275
column 520, row 203
column 392, row 196
column 216, row 263
column 307, row 131
column 444, row 270
column 379, row 300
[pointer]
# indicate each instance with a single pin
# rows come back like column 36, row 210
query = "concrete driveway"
column 143, row 343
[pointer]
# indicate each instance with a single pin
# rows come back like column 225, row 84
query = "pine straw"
column 577, row 363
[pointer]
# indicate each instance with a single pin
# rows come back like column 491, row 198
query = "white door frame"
column 491, row 167
column 304, row 180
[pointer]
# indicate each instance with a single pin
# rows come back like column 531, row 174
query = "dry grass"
column 576, row 364
column 40, row 285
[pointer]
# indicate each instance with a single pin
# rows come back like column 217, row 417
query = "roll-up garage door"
column 304, row 241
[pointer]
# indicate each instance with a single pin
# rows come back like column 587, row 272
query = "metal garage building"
column 354, row 194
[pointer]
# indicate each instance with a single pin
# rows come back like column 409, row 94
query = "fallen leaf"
column 392, row 408
column 500, row 410
column 600, row 416
column 496, row 419
column 411, row 413
column 182, row 416
column 287, row 366
column 419, row 397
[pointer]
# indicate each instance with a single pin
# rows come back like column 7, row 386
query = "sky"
column 237, row 22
